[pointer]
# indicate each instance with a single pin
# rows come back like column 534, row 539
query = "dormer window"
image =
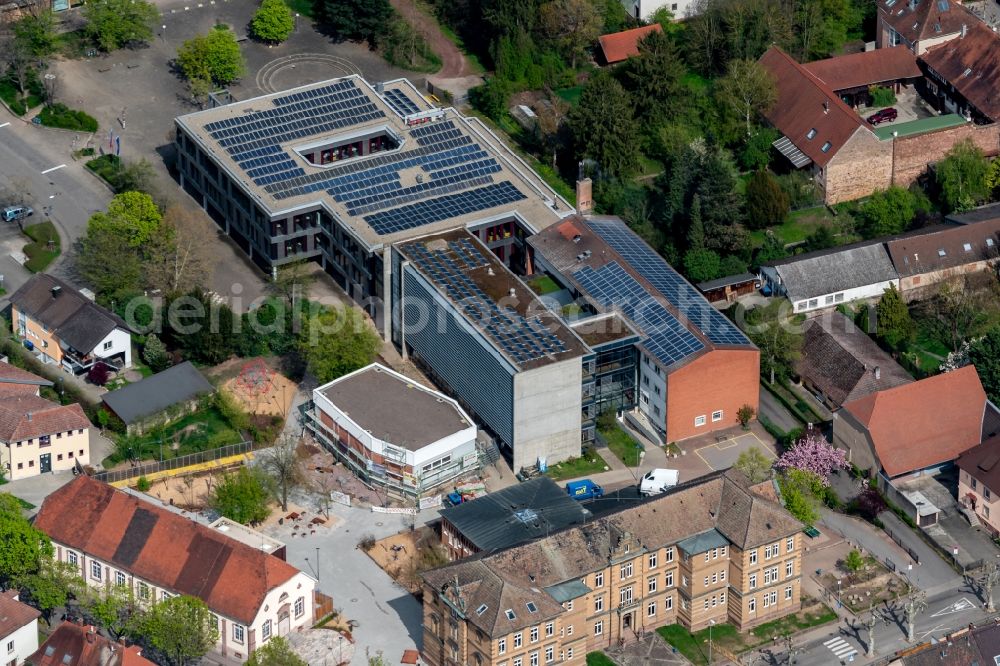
column 826, row 147
column 811, row 133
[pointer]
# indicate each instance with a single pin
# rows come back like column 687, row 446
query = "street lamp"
column 711, row 623
column 839, row 603
column 296, row 21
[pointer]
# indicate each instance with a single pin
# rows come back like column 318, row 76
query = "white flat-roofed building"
column 394, row 432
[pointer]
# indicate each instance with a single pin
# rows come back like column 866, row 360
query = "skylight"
column 811, row 133
column 941, row 252
column 943, row 5
column 890, row 3
column 967, row 247
column 481, row 609
column 509, row 613
column 826, row 147
column 989, row 242
column 532, row 608
column 967, row 72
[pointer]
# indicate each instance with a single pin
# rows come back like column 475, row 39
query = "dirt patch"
column 872, row 584
column 191, row 492
column 405, row 555
column 261, row 390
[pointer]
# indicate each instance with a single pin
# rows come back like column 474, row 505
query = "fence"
column 189, row 460
column 899, row 541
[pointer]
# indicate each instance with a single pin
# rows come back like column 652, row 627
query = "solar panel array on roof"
column 667, row 338
column 252, row 139
column 651, row 266
column 523, row 339
column 400, row 102
column 444, row 207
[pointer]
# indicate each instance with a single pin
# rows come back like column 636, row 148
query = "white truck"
column 655, row 481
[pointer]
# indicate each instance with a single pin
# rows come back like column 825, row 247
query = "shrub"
column 98, row 374
column 142, row 485
column 881, row 96
column 367, row 542
column 63, row 117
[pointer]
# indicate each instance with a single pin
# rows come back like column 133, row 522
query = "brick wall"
column 862, row 166
column 912, row 154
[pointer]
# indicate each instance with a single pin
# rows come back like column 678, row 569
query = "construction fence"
column 204, row 459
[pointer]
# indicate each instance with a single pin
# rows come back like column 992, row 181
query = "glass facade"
column 609, row 379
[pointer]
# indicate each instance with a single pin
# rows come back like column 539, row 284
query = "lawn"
column 43, row 248
column 11, row 95
column 622, row 445
column 543, row 284
column 799, row 225
column 63, row 117
column 303, row 7
column 599, row 659
column 200, row 431
column 570, row 95
column 791, row 624
column 574, row 468
column 685, row 643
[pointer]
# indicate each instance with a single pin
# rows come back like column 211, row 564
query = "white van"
column 655, row 481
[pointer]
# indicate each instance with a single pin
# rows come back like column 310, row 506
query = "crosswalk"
column 841, row 648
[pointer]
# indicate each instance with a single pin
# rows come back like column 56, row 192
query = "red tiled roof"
column 80, row 645
column 162, row 547
column 983, row 463
column 14, row 614
column 804, row 104
column 925, row 423
column 925, row 19
column 972, row 65
column 866, row 68
column 623, row 45
column 14, row 380
column 28, row 416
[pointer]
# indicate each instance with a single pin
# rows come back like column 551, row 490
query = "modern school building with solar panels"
column 338, row 171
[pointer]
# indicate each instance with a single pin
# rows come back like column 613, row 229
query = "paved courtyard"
column 651, row 650
column 722, row 453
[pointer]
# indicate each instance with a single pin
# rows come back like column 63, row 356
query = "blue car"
column 584, row 490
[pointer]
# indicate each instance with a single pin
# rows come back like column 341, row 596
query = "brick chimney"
column 584, row 196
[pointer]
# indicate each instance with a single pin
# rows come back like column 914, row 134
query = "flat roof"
column 247, row 536
column 394, row 408
column 603, row 328
column 494, row 300
column 448, row 171
column 921, row 126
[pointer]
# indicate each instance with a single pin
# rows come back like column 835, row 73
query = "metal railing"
column 136, row 471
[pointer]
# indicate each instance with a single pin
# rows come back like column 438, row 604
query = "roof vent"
column 586, row 254
column 965, row 30
column 512, row 292
column 826, row 106
column 56, row 290
column 577, row 238
column 490, row 271
column 878, row 372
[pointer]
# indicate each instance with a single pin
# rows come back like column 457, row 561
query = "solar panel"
column 443, row 207
column 666, row 338
column 399, row 102
column 523, row 339
column 684, row 297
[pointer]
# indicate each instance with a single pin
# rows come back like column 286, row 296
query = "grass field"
column 622, row 445
column 39, row 251
column 574, row 468
column 543, row 284
column 199, row 431
column 798, row 226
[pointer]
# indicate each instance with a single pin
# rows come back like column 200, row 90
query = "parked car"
column 584, row 490
column 883, row 116
column 14, row 213
column 655, row 481
column 454, row 499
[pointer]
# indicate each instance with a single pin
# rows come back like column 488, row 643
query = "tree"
column 154, row 353
column 799, row 490
column 893, row 323
column 767, row 203
column 854, row 561
column 572, row 24
column 777, row 339
column 759, row 148
column 701, row 265
column 99, row 374
column 869, row 504
column 37, row 30
column 136, row 176
column 813, row 454
column 745, row 415
column 178, row 259
column 51, row 586
column 293, row 281
column 748, row 89
column 603, row 127
column 336, row 342
column 963, row 177
column 112, row 24
column 754, row 464
column 183, row 628
column 985, row 355
column 655, row 77
column 24, row 547
column 772, row 250
column 282, row 464
column 214, row 57
column 888, row 212
column 114, row 608
column 276, row 652
column 272, row 22
column 109, row 264
column 204, row 329
column 132, row 215
column 18, row 60
column 696, row 227
column 820, row 239
column 362, row 20
column 242, row 496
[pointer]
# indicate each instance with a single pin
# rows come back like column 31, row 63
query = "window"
column 569, row 653
column 625, row 595
column 770, row 575
column 534, row 634
column 237, row 633
column 510, row 614
column 811, row 134
column 986, row 494
column 71, row 558
column 516, row 661
column 973, row 484
column 668, row 603
column 532, row 608
column 986, row 511
column 569, row 605
column 967, row 247
column 502, row 646
column 652, row 560
column 265, row 630
column 788, row 593
column 715, row 601
column 10, row 646
column 722, row 597
column 789, row 568
column 651, row 585
column 550, row 628
column 716, row 416
column 670, row 579
column 143, row 591
column 813, row 302
column 715, row 577
column 31, row 463
column 722, row 575
column 706, row 581
column 752, row 605
column 59, row 456
column 300, row 607
column 767, row 552
column 481, row 609
column 789, row 544
column 119, row 579
column 533, row 659
column 829, row 299
column 598, row 604
column 550, row 654
column 670, row 554
column 599, row 579
column 95, row 570
column 826, row 147
column 651, row 609
column 941, row 252
column 753, row 556
column 21, row 465
column 569, row 629
column 599, row 628
column 706, row 555
column 108, row 345
column 517, row 640
column 753, row 581
column 699, row 420
column 839, row 298
column 706, row 604
column 625, row 571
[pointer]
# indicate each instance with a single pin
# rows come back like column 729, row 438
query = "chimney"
column 55, row 291
column 512, row 292
column 90, row 634
column 584, row 196
column 878, row 372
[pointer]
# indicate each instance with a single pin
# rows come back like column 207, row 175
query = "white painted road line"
column 5, row 125
column 55, row 168
column 841, row 648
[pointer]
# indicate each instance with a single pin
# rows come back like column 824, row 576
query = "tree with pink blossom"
column 813, row 454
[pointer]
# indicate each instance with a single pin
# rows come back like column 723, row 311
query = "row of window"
column 550, row 657
column 59, row 456
column 45, row 439
column 768, row 599
column 773, row 550
column 518, row 639
column 700, row 420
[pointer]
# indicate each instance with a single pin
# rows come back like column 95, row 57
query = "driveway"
column 772, row 410
column 35, row 489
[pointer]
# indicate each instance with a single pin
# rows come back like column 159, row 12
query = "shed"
column 168, row 394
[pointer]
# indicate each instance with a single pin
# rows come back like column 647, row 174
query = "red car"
column 883, row 116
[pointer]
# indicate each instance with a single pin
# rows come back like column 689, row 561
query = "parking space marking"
column 55, row 168
column 5, row 125
column 751, row 440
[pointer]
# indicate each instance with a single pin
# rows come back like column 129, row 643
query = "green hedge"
column 108, row 168
column 63, row 117
column 39, row 254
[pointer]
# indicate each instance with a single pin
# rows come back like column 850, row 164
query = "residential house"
column 852, row 75
column 979, row 482
column 644, row 9
column 729, row 289
column 393, row 432
column 931, row 256
column 693, row 368
column 80, row 645
column 508, row 517
column 115, row 538
column 38, row 436
column 963, row 73
column 968, row 645
column 60, row 325
column 620, row 46
column 840, row 363
column 819, row 132
column 159, row 399
column 826, row 278
column 735, row 557
column 18, row 629
column 914, row 428
column 920, row 24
